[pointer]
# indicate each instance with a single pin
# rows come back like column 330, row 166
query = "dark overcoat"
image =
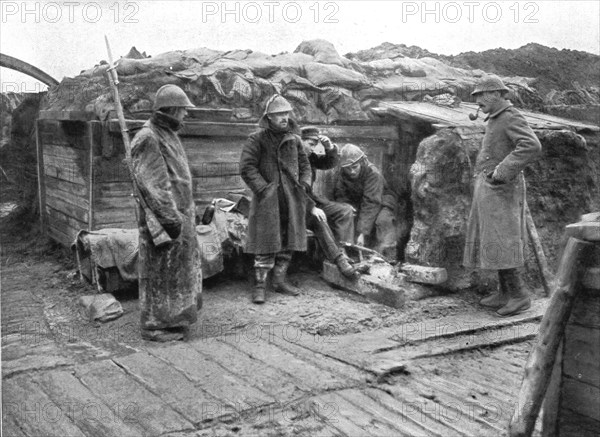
column 169, row 275
column 273, row 164
column 495, row 233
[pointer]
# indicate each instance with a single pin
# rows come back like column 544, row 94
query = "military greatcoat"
column 495, row 233
column 170, row 275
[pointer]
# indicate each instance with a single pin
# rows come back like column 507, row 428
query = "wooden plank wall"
column 66, row 177
column 213, row 151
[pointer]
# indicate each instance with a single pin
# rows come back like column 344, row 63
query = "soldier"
column 170, row 284
column 361, row 185
column 325, row 215
column 496, row 226
column 275, row 167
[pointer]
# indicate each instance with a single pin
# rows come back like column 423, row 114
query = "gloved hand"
column 173, row 229
column 491, row 179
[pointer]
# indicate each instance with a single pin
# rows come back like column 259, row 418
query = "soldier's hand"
column 327, row 144
column 360, row 240
column 319, row 214
column 491, row 179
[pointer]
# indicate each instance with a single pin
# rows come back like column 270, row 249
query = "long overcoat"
column 169, row 276
column 495, row 233
column 273, row 165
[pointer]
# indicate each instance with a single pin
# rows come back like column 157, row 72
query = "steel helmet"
column 350, row 154
column 489, row 83
column 171, row 96
column 277, row 104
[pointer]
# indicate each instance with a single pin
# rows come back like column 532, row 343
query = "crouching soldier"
column 275, row 167
column 361, row 185
column 170, row 283
column 324, row 215
column 496, row 227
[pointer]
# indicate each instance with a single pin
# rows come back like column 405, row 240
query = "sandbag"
column 322, row 74
column 100, row 307
column 323, row 51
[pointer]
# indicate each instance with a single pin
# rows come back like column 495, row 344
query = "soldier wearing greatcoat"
column 170, row 282
column 496, row 228
column 275, row 167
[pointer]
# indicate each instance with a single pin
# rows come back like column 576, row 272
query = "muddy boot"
column 279, row 274
column 346, row 268
column 499, row 298
column 518, row 297
column 258, row 292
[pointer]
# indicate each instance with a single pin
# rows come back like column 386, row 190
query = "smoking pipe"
column 474, row 117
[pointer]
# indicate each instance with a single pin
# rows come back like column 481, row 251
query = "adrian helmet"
column 350, row 154
column 489, row 83
column 277, row 103
column 171, row 96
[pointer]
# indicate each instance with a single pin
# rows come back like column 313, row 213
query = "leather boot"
column 500, row 297
column 279, row 274
column 518, row 297
column 346, row 268
column 260, row 277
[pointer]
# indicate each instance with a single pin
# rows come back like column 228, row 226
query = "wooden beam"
column 538, row 252
column 90, row 132
column 242, row 130
column 369, row 286
column 41, row 179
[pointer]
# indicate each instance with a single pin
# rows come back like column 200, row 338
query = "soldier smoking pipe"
column 474, row 117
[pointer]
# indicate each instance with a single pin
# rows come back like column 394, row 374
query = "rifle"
column 157, row 232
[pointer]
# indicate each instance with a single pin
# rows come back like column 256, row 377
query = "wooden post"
column 541, row 359
column 41, row 174
column 538, row 251
column 90, row 129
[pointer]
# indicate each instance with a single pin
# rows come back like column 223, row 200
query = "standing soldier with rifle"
column 170, row 281
column 496, row 227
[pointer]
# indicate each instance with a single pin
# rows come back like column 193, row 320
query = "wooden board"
column 581, row 397
column 581, row 360
column 174, row 388
column 370, row 286
column 133, row 402
column 89, row 413
column 77, row 211
column 227, row 388
column 290, row 364
column 215, row 129
column 36, row 414
column 259, row 374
